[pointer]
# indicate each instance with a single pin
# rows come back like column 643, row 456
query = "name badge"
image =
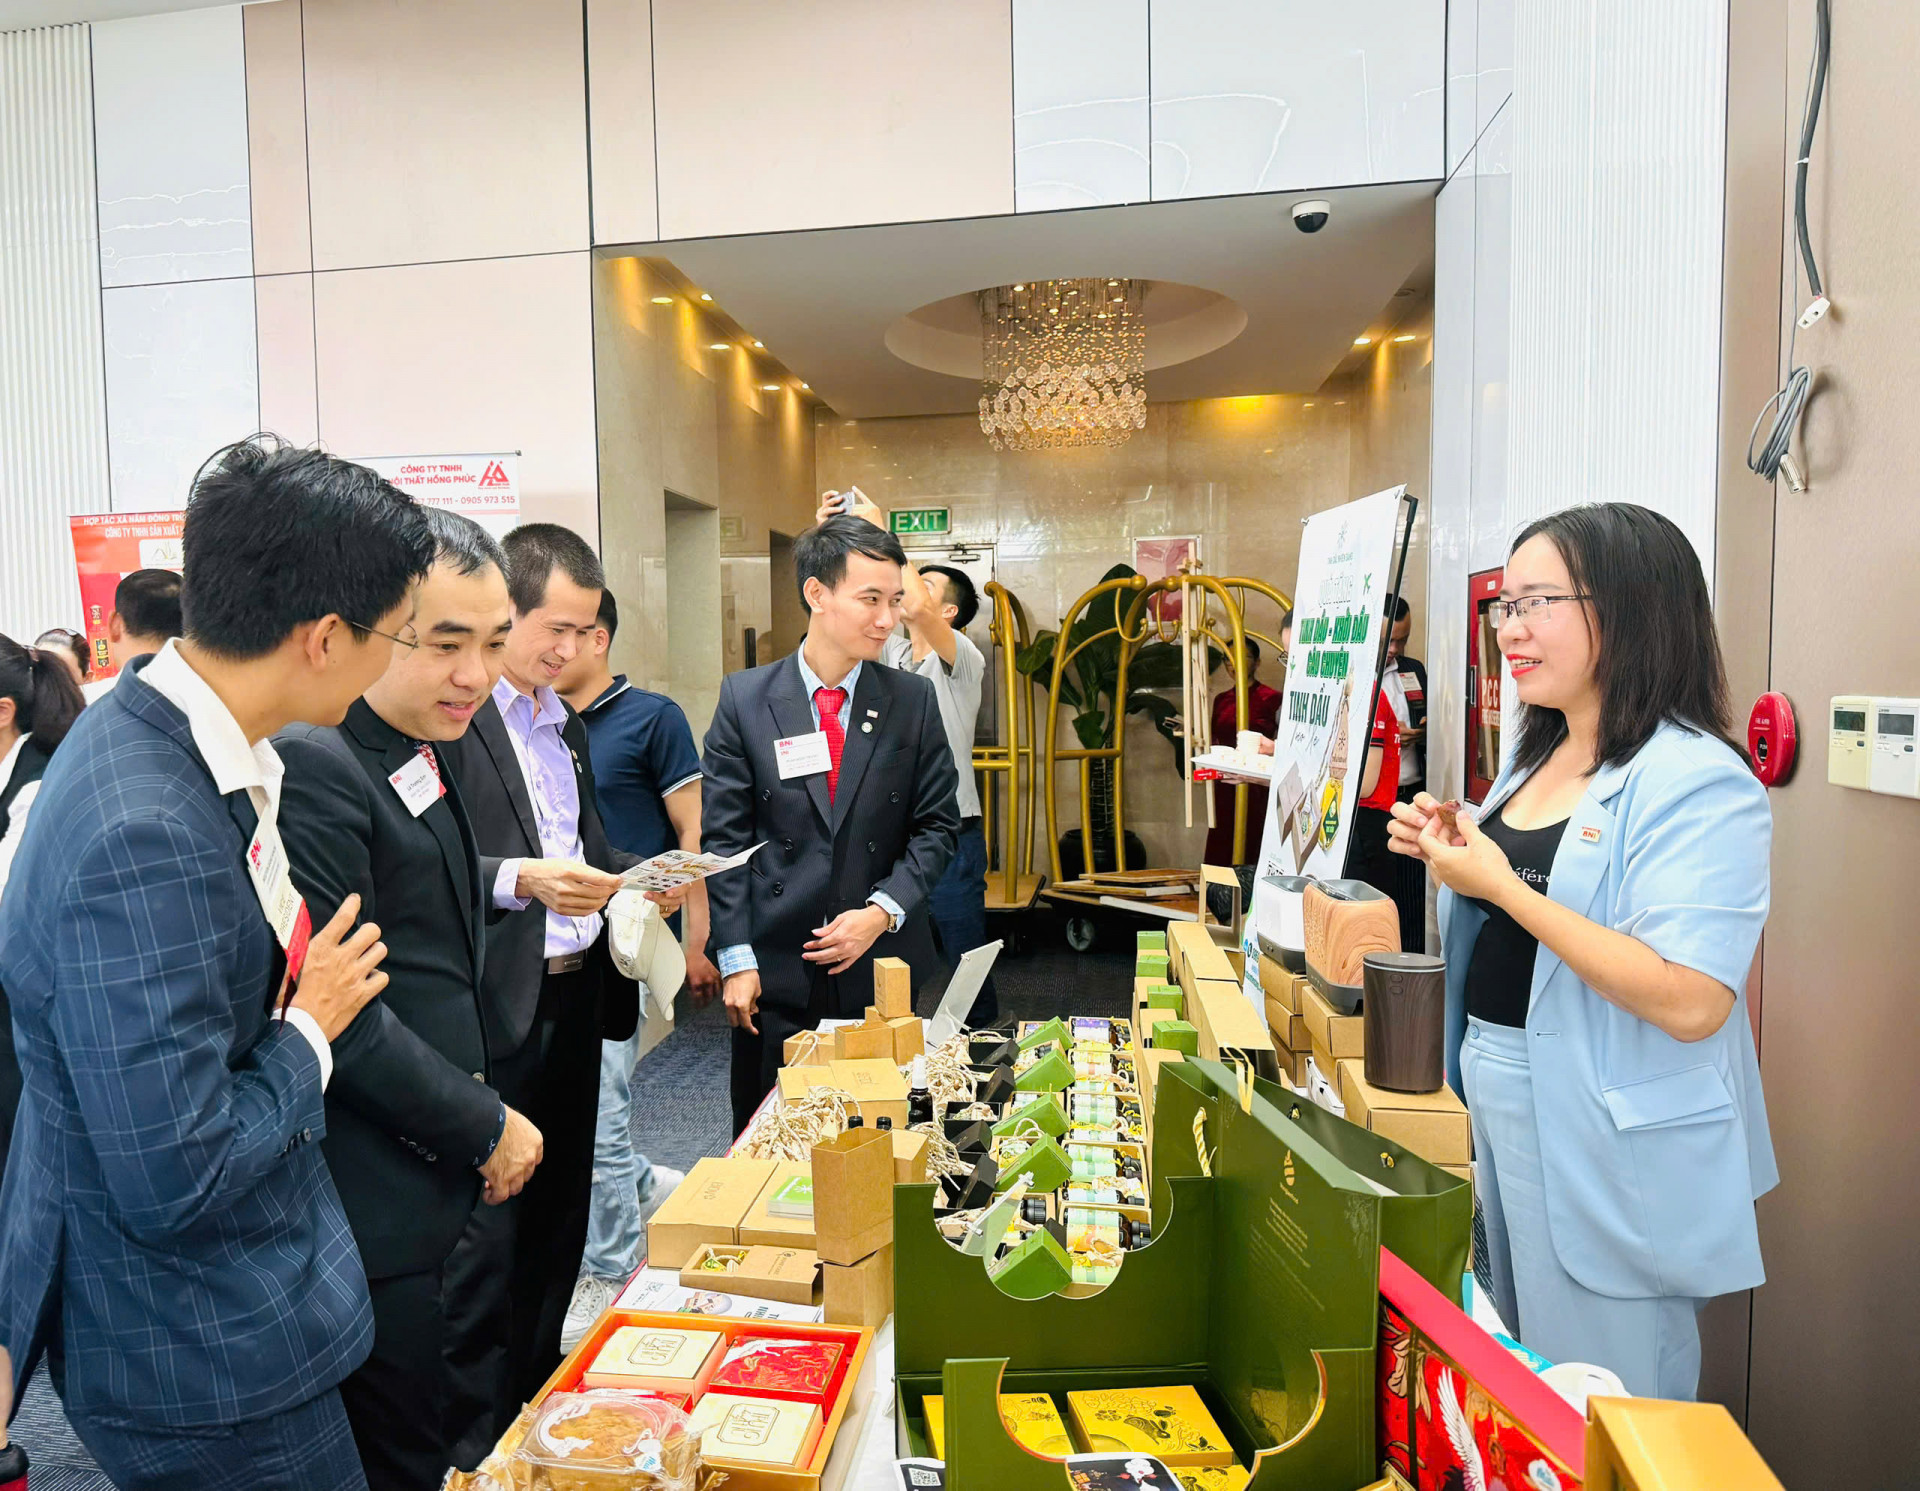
column 418, row 784
column 285, row 910
column 802, row 755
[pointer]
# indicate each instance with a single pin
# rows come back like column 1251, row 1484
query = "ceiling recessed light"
column 1309, row 404
column 1407, row 338
column 769, row 388
column 758, row 345
column 1363, row 341
column 1019, row 287
column 705, row 296
column 1338, row 402
column 663, row 300
column 808, row 387
column 719, row 347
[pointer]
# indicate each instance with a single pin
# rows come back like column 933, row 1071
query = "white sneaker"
column 591, row 1297
column 665, row 1181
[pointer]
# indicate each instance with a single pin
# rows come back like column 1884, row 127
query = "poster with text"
column 1320, row 748
column 108, row 547
column 485, row 487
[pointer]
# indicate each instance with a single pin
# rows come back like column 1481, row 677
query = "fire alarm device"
column 1896, row 765
column 1849, row 761
column 1772, row 739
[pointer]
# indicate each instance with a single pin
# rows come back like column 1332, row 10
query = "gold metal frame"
column 1010, row 763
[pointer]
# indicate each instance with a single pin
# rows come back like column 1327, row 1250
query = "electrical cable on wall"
column 1773, row 456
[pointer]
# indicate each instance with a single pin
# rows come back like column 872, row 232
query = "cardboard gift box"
column 656, row 1359
column 1031, row 1418
column 1433, row 1125
column 1340, row 1036
column 761, row 1431
column 853, row 1195
column 909, row 1157
column 779, row 1367
column 892, row 988
column 871, row 1039
column 876, row 1088
column 909, row 1038
column 1647, row 1444
column 791, row 1275
column 807, row 1048
column 1176, row 1035
column 859, row 1293
column 762, row 1226
column 1289, row 1030
column 706, row 1207
column 1169, row 1423
column 1228, row 1022
column 1277, row 983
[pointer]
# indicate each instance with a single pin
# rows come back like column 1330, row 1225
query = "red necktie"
column 425, row 748
column 829, row 702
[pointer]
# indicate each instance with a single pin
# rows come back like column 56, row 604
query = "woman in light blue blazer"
column 1599, row 921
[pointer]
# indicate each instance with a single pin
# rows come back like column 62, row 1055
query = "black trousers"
column 756, row 1058
column 512, row 1273
column 399, row 1399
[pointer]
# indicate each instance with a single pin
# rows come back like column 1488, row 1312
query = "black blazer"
column 409, row 1110
column 891, row 827
column 495, row 792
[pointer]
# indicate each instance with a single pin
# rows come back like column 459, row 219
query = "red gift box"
column 780, row 1367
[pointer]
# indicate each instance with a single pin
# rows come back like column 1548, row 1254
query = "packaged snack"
column 608, row 1441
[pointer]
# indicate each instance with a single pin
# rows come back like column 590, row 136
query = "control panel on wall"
column 1873, row 744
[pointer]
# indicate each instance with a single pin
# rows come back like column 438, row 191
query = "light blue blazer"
column 1653, row 1148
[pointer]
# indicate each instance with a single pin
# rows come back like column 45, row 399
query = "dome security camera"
column 1311, row 217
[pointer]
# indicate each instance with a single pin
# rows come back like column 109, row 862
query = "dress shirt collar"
column 810, row 681
column 542, row 708
column 234, row 764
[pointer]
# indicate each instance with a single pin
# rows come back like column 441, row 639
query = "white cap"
column 917, row 1070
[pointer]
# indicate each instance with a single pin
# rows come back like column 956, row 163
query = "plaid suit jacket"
column 167, row 1216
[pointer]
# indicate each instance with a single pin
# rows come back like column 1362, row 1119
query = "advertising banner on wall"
column 1320, row 748
column 484, row 487
column 108, row 547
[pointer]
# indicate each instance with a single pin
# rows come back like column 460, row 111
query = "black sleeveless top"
column 29, row 766
column 1500, row 972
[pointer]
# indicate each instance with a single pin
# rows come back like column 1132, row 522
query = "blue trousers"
column 622, row 1176
column 308, row 1448
column 959, row 908
column 1653, row 1344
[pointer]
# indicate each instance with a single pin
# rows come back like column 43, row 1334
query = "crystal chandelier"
column 1065, row 363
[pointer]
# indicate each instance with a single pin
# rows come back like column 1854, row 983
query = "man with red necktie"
column 841, row 769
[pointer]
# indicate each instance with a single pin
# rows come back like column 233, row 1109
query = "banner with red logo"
column 483, row 487
column 107, row 548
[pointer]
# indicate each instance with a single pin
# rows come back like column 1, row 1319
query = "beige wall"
column 1240, row 473
column 1834, row 1326
column 676, row 416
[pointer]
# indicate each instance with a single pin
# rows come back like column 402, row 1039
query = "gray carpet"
column 683, row 1114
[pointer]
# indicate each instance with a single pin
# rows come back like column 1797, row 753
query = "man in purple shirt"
column 549, row 990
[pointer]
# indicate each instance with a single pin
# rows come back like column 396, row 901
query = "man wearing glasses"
column 550, row 991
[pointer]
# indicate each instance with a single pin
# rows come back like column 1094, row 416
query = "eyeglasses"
column 409, row 639
column 1529, row 608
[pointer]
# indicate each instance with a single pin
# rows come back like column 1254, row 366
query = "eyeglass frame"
column 374, row 631
column 1500, row 612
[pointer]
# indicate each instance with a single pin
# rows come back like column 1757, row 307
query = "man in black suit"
column 550, row 990
column 414, row 1130
column 842, row 767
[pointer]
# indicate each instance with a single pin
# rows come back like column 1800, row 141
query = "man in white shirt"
column 146, row 613
column 938, row 604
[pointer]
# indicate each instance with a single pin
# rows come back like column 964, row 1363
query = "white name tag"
column 267, row 865
column 418, row 785
column 802, row 755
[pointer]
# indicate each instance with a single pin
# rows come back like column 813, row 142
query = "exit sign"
column 916, row 521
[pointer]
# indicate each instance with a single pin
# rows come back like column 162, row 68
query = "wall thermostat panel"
column 1849, row 752
column 1896, row 762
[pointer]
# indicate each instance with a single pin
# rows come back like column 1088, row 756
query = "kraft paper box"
column 869, row 1040
column 1277, row 983
column 706, row 1207
column 1340, row 1036
column 791, row 1275
column 1143, row 1023
column 808, row 1048
column 1289, row 1030
column 795, row 1082
column 1433, row 1125
column 909, row 1038
column 1227, row 1021
column 1645, row 1444
column 852, row 1195
column 761, row 1228
column 876, row 1088
column 1293, row 1066
column 892, row 988
column 859, row 1293
column 909, row 1157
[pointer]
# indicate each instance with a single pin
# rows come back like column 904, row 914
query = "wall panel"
column 626, row 197
column 1080, row 118
column 777, row 117
column 277, row 136
column 289, row 393
column 170, row 112
column 53, row 429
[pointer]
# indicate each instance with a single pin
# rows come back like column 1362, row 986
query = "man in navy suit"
column 169, row 1238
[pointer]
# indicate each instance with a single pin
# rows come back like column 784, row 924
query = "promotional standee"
column 1347, row 570
column 108, row 547
column 1484, row 682
column 484, row 487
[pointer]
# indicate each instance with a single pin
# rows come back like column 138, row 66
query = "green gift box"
column 1054, row 1032
column 1034, row 1269
column 1150, row 942
column 1051, row 1073
column 1043, row 1112
column 1167, row 997
column 1152, row 965
column 1043, row 1162
column 1176, row 1035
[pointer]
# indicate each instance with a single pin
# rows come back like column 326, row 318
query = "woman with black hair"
column 39, row 702
column 1599, row 920
column 70, row 647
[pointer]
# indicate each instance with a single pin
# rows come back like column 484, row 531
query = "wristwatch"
column 893, row 921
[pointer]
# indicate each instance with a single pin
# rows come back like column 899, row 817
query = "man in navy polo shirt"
column 646, row 777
